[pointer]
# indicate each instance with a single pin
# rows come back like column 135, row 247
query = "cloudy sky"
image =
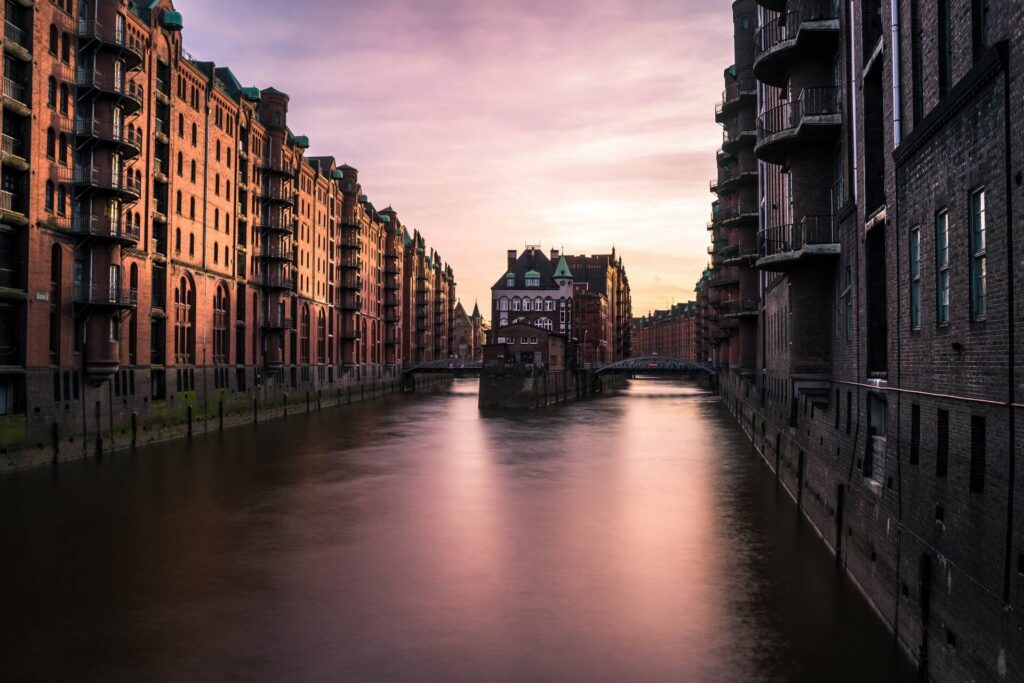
column 489, row 124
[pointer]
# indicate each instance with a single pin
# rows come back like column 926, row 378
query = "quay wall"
column 120, row 423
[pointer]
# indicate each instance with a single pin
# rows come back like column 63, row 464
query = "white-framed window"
column 544, row 323
column 942, row 268
column 533, row 280
column 915, row 277
column 533, row 340
column 504, row 322
column 979, row 270
column 527, row 304
column 510, row 280
column 502, row 304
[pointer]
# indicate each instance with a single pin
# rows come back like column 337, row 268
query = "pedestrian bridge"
column 456, row 366
column 655, row 365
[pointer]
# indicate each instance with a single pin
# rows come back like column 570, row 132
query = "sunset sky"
column 489, row 124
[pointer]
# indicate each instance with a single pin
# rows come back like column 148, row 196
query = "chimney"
column 554, row 255
column 511, row 258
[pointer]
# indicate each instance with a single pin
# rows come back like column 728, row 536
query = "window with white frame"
column 979, row 271
column 942, row 268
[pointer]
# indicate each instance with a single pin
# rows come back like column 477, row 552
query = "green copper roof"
column 731, row 71
column 302, row 141
column 385, row 219
column 563, row 269
column 363, row 198
column 251, row 94
column 337, row 174
column 171, row 21
column 532, row 274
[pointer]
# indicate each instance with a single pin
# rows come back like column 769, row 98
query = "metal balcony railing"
column 14, row 90
column 8, row 202
column 275, row 321
column 792, row 237
column 817, row 101
column 10, row 277
column 785, row 27
column 13, row 147
column 94, row 178
column 102, row 226
column 15, row 34
column 105, row 295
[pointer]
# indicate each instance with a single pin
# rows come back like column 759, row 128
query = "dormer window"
column 533, row 279
column 510, row 280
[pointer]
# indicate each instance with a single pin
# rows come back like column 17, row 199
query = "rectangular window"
column 977, row 453
column 979, row 26
column 915, row 434
column 849, row 410
column 979, row 289
column 945, row 36
column 942, row 443
column 915, row 278
column 942, row 268
column 849, row 303
column 839, row 307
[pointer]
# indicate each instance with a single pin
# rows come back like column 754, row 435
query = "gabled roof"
column 531, row 260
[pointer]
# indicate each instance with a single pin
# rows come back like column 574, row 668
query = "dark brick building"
column 167, row 242
column 669, row 332
column 875, row 363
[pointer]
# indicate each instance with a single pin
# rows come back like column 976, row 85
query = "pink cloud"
column 578, row 123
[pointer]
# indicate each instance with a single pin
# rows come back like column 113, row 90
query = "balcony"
column 736, row 140
column 105, row 134
column 276, row 251
column 91, row 31
column 160, row 131
column 275, row 321
column 86, row 295
column 101, row 227
column 278, row 195
column 783, row 247
column 351, row 262
column 12, row 209
column 16, row 42
column 811, row 119
column 276, row 165
column 276, row 223
column 738, row 94
column 744, row 213
column 741, row 254
column 731, row 177
column 723, row 280
column 16, row 97
column 159, row 171
column 14, row 153
column 130, row 95
column 351, row 282
column 163, row 91
column 805, row 32
column 126, row 188
column 741, row 308
column 278, row 280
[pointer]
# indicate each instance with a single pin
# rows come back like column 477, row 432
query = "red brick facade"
column 671, row 332
column 166, row 237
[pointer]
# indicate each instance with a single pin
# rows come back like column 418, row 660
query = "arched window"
column 216, row 253
column 178, row 202
column 65, row 98
column 193, row 173
column 62, row 200
column 502, row 304
column 195, row 135
column 181, row 164
column 191, row 245
column 216, row 184
column 49, row 196
column 56, row 281
column 51, row 143
column 192, row 208
column 177, row 240
column 304, row 335
column 184, row 322
column 65, row 48
column 544, row 323
column 220, row 326
column 51, row 92
column 227, row 189
column 181, row 125
column 53, row 40
column 218, row 150
column 216, row 219
column 516, row 304
column 62, row 150
column 527, row 304
column 133, row 324
column 321, row 338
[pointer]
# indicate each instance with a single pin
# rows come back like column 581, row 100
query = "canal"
column 630, row 538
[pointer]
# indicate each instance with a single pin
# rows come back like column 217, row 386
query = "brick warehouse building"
column 166, row 235
column 670, row 332
column 587, row 298
column 882, row 382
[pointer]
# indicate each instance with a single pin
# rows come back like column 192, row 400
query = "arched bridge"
column 662, row 365
column 457, row 366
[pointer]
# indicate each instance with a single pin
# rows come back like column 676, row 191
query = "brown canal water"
column 636, row 537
